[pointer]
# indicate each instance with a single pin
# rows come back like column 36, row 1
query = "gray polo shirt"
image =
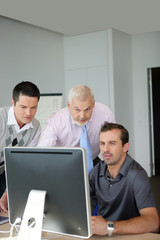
column 121, row 198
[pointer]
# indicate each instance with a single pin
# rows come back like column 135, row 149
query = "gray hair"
column 81, row 92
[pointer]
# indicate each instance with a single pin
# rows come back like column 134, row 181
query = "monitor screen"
column 63, row 174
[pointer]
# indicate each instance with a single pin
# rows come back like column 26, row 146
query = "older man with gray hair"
column 65, row 127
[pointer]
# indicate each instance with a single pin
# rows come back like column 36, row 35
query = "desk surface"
column 46, row 235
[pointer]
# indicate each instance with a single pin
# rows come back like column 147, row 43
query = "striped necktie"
column 84, row 142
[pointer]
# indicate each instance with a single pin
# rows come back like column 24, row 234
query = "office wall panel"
column 29, row 53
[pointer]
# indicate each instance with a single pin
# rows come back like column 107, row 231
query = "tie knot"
column 84, row 127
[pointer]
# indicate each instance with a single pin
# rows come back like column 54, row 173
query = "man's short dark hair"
column 110, row 126
column 25, row 88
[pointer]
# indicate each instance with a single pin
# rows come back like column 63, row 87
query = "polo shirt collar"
column 103, row 169
column 126, row 164
column 123, row 170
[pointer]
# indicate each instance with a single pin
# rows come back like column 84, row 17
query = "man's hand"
column 4, row 203
column 99, row 225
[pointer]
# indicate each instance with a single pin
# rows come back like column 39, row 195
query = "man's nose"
column 106, row 147
column 28, row 111
column 82, row 114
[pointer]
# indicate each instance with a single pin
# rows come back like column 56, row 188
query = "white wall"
column 123, row 85
column 146, row 54
column 29, row 53
column 86, row 63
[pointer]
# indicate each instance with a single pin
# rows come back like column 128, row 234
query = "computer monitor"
column 63, row 174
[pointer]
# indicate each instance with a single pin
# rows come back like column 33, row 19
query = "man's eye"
column 77, row 110
column 101, row 144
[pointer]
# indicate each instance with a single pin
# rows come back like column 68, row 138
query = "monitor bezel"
column 85, row 175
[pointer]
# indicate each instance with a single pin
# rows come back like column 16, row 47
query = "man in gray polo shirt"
column 125, row 202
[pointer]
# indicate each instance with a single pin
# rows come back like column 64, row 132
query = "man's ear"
column 126, row 147
column 13, row 102
column 68, row 104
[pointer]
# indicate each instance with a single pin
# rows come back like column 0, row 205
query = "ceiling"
column 73, row 17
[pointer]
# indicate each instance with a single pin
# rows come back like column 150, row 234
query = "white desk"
column 45, row 235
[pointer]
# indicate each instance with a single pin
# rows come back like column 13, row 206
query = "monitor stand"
column 31, row 226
